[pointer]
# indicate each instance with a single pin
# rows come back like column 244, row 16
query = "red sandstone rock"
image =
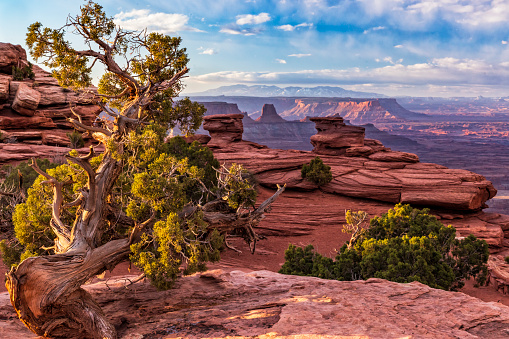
column 214, row 108
column 11, row 55
column 224, row 128
column 334, row 136
column 52, row 95
column 35, row 112
column 267, row 305
column 4, row 87
column 385, row 176
column 26, row 100
column 269, row 115
column 34, row 122
column 394, row 156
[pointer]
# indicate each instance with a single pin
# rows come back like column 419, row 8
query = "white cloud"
column 207, row 51
column 374, row 29
column 398, row 46
column 389, row 60
column 504, row 42
column 420, row 14
column 238, row 31
column 301, row 55
column 281, row 61
column 290, row 28
column 287, row 28
column 437, row 72
column 250, row 19
column 165, row 23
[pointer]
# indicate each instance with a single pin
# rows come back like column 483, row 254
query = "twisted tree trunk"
column 47, row 295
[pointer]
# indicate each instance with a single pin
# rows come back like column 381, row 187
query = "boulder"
column 4, row 87
column 11, row 55
column 224, row 128
column 393, row 156
column 52, row 95
column 334, row 136
column 26, row 100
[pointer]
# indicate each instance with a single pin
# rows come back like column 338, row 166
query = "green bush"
column 403, row 245
column 28, row 173
column 75, row 140
column 317, row 172
column 11, row 249
column 21, row 73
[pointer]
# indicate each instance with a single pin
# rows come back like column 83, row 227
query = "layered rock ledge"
column 373, row 172
column 263, row 304
column 34, row 112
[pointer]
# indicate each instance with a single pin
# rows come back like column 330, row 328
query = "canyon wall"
column 34, row 111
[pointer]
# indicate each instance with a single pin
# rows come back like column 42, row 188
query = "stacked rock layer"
column 34, row 111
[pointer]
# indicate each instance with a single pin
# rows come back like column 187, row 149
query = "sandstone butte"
column 34, row 112
column 233, row 304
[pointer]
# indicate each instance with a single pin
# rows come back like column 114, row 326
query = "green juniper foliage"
column 155, row 181
column 317, row 172
column 24, row 72
column 157, row 176
column 75, row 140
column 403, row 245
column 10, row 248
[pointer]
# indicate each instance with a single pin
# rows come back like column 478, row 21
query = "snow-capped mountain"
column 275, row 91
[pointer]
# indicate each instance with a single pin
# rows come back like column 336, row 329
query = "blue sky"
column 393, row 47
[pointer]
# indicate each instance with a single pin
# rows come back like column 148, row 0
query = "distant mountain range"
column 275, row 91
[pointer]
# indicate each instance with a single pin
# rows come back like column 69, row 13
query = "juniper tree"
column 159, row 203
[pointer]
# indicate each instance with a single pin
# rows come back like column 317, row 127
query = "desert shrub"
column 10, row 248
column 75, row 140
column 28, row 173
column 24, row 72
column 2, row 137
column 317, row 172
column 507, row 259
column 403, row 245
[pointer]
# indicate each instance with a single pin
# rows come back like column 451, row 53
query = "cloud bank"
column 140, row 19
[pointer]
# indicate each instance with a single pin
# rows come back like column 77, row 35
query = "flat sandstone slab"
column 263, row 304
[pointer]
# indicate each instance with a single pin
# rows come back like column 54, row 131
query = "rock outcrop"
column 269, row 115
column 34, row 112
column 11, row 55
column 263, row 304
column 219, row 107
column 334, row 136
column 379, row 174
column 224, row 128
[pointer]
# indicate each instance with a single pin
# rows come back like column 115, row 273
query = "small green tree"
column 317, row 172
column 75, row 140
column 403, row 245
column 22, row 72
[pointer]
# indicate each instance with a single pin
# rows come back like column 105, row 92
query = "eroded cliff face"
column 358, row 111
column 34, row 112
